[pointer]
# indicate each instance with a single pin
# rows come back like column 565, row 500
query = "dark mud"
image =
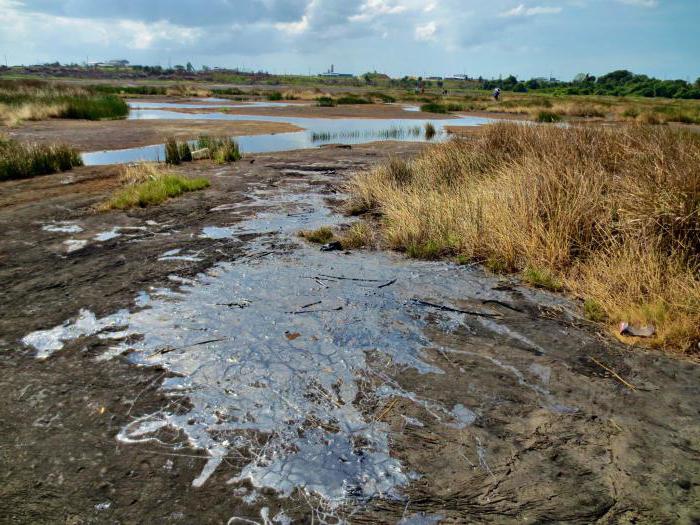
column 515, row 423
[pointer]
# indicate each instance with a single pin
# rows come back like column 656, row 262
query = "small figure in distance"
column 497, row 94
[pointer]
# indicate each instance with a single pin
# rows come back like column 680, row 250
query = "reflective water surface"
column 317, row 131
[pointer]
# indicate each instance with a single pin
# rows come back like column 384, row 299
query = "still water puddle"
column 277, row 354
column 317, row 131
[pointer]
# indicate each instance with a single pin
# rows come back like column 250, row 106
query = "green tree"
column 190, row 67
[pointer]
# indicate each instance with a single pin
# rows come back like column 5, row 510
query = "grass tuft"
column 541, row 278
column 322, row 235
column 430, row 131
column 547, row 116
column 21, row 161
column 149, row 185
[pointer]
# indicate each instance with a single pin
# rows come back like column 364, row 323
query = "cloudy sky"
column 421, row 37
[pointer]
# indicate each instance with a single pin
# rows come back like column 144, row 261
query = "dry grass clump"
column 611, row 215
column 12, row 115
column 358, row 235
column 321, row 235
column 187, row 90
column 149, row 184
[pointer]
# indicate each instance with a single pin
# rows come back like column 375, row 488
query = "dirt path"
column 356, row 375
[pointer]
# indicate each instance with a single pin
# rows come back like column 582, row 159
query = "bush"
column 20, row 161
column 275, row 96
column 430, row 130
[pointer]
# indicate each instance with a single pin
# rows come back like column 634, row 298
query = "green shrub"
column 275, row 96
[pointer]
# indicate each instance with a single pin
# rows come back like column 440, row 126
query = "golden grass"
column 11, row 115
column 321, row 235
column 187, row 90
column 611, row 215
column 149, row 184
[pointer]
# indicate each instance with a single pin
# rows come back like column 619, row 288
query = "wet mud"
column 198, row 363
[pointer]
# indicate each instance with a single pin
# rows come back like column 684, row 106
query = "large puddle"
column 317, row 131
column 283, row 356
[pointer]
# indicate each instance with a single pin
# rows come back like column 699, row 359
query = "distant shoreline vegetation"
column 617, row 83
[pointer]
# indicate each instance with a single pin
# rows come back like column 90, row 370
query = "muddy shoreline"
column 548, row 434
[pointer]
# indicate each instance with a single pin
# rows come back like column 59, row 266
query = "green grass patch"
column 547, row 116
column 436, row 107
column 21, row 161
column 541, row 278
column 153, row 192
column 593, row 311
column 427, row 250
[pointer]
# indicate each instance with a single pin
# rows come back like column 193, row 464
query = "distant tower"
column 332, row 68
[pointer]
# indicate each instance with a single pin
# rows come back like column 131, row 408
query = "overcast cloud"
column 527, row 38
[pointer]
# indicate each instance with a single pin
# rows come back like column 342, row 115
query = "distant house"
column 332, row 74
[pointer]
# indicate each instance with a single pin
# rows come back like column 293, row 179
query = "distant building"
column 332, row 74
column 109, row 63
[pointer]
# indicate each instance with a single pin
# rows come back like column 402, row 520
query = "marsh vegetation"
column 36, row 100
column 612, row 216
column 21, row 161
column 221, row 150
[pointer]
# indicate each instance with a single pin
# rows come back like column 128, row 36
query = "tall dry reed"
column 612, row 214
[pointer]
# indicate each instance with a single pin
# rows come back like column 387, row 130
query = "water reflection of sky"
column 332, row 131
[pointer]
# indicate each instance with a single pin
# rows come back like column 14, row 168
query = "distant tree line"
column 617, row 83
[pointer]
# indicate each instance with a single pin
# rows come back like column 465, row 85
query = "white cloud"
column 372, row 9
column 294, row 28
column 426, row 32
column 521, row 10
